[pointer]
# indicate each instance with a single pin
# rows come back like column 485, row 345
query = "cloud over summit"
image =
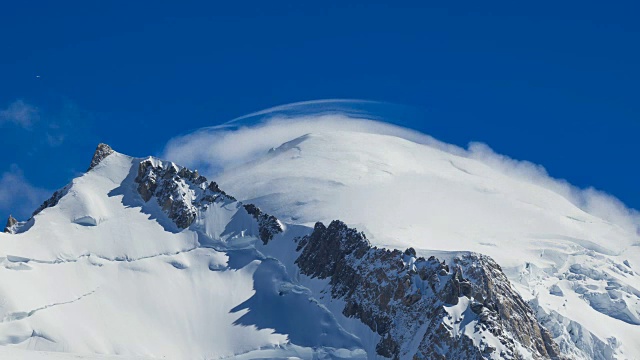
column 214, row 149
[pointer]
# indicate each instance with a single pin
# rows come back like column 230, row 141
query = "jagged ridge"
column 400, row 297
column 182, row 193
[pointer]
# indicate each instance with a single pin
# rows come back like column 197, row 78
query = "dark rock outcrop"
column 268, row 225
column 408, row 300
column 11, row 223
column 182, row 193
column 102, row 151
column 491, row 286
column 179, row 191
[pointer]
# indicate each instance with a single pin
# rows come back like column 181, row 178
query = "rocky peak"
column 268, row 225
column 179, row 191
column 11, row 223
column 102, row 151
column 182, row 193
column 417, row 305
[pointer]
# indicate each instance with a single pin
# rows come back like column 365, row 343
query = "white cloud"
column 19, row 113
column 17, row 196
column 239, row 141
column 590, row 200
column 62, row 122
column 243, row 138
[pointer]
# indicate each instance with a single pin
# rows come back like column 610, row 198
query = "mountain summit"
column 102, row 151
column 141, row 257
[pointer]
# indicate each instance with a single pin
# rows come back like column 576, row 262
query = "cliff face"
column 425, row 308
column 183, row 193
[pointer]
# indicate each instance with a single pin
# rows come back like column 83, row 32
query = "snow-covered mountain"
column 578, row 271
column 337, row 244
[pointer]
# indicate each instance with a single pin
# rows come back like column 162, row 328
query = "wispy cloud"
column 17, row 195
column 590, row 200
column 19, row 113
column 53, row 123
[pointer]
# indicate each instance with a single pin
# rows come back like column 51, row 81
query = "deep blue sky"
column 555, row 83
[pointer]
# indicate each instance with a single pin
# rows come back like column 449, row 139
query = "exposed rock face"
column 268, row 224
column 491, row 286
column 11, row 223
column 102, row 151
column 179, row 191
column 425, row 309
column 182, row 193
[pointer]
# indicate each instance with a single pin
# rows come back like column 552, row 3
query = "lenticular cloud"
column 214, row 150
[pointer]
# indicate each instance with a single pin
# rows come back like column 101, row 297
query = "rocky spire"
column 11, row 222
column 102, row 151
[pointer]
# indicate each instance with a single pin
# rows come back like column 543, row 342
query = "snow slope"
column 103, row 272
column 402, row 193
